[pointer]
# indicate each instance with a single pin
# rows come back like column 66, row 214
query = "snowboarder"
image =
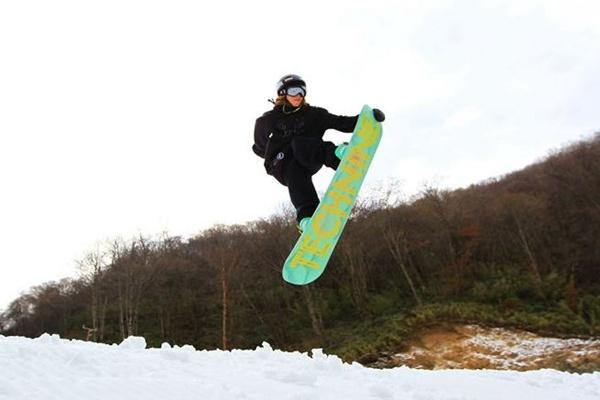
column 290, row 139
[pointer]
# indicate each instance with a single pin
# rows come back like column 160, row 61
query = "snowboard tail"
column 312, row 251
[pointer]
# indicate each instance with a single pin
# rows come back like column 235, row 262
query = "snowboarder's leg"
column 313, row 153
column 302, row 190
column 310, row 154
column 330, row 159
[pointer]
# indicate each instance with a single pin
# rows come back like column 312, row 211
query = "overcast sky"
column 121, row 117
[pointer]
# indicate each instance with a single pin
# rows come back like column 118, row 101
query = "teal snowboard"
column 310, row 255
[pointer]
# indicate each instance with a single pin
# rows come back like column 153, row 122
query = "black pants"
column 308, row 156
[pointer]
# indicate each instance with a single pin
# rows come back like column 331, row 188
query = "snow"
column 53, row 368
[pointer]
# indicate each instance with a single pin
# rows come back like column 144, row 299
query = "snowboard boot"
column 341, row 149
column 303, row 224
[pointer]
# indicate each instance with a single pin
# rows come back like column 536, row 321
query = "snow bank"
column 52, row 368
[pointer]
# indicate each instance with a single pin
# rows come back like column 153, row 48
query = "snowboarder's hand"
column 258, row 151
column 378, row 115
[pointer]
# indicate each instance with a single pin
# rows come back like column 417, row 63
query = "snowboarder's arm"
column 339, row 122
column 261, row 136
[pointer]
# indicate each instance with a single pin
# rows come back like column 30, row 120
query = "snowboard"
column 312, row 251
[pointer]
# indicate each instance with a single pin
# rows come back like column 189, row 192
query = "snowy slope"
column 53, row 368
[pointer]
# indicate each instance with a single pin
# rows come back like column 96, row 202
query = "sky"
column 125, row 117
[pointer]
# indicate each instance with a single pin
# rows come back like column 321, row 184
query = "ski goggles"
column 295, row 91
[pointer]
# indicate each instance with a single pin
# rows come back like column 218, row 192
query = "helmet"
column 289, row 81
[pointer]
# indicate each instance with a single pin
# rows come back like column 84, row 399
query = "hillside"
column 522, row 250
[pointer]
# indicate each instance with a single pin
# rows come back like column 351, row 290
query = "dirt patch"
column 476, row 347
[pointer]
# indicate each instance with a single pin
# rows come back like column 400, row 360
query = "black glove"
column 378, row 115
column 258, row 151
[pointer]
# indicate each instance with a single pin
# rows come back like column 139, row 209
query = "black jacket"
column 275, row 130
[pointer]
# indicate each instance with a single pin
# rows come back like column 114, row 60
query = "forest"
column 518, row 250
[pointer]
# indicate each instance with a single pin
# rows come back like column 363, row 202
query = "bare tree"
column 92, row 269
column 220, row 246
column 134, row 269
